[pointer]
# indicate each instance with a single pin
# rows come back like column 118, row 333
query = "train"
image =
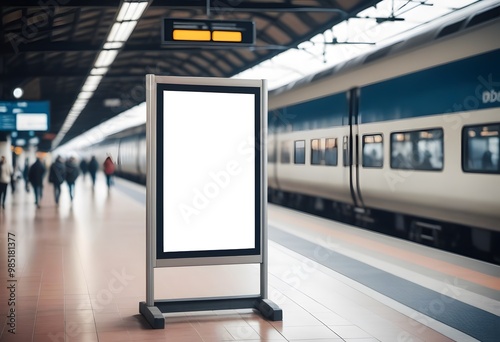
column 403, row 140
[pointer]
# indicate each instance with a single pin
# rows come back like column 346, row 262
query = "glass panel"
column 285, row 152
column 482, row 145
column 331, row 151
column 317, row 151
column 373, row 151
column 271, row 153
column 417, row 150
column 345, row 151
column 300, row 152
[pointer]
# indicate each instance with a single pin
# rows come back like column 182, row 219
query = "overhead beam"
column 8, row 49
column 216, row 6
column 56, row 3
column 62, row 74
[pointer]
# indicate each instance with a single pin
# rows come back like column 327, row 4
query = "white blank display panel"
column 208, row 171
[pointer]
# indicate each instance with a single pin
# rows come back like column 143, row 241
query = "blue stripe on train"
column 327, row 111
column 468, row 84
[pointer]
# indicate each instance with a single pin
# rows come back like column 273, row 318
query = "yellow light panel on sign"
column 226, row 36
column 194, row 35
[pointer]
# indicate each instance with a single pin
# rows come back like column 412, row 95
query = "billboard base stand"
column 154, row 314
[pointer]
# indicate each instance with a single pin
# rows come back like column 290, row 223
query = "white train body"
column 448, row 193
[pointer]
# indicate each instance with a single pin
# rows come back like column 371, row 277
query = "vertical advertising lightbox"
column 206, row 178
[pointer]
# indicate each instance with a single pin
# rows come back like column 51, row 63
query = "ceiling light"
column 85, row 95
column 112, row 45
column 123, row 31
column 113, row 32
column 98, row 71
column 123, row 11
column 125, row 23
column 89, row 87
column 112, row 102
column 18, row 92
column 131, row 11
column 106, row 57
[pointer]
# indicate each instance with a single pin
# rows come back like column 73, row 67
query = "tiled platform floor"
column 80, row 275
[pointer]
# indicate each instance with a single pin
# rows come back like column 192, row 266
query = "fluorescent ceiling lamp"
column 93, row 80
column 112, row 45
column 80, row 102
column 123, row 11
column 85, row 95
column 99, row 71
column 114, row 31
column 89, row 86
column 106, row 57
column 121, row 31
column 131, row 11
column 78, row 106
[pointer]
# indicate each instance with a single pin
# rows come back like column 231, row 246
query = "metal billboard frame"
column 152, row 309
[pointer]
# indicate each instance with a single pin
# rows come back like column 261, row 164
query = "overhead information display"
column 206, row 32
column 24, row 115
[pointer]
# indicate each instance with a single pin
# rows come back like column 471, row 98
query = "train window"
column 481, row 148
column 271, row 153
column 417, row 150
column 373, row 150
column 345, row 151
column 317, row 152
column 331, row 152
column 324, row 151
column 300, row 152
column 285, row 152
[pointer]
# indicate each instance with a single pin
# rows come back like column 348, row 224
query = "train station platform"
column 78, row 270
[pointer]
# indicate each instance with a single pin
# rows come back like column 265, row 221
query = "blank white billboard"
column 206, row 190
column 208, row 171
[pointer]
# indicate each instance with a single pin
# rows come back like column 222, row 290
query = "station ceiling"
column 50, row 46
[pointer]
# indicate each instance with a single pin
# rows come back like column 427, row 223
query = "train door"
column 352, row 148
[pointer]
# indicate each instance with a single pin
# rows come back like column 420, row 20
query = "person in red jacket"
column 109, row 170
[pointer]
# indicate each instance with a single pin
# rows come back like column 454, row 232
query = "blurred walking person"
column 57, row 175
column 92, row 168
column 83, row 167
column 72, row 172
column 5, row 178
column 35, row 176
column 109, row 170
column 26, row 171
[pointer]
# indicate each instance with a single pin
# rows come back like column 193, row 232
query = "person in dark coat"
column 57, row 175
column 72, row 172
column 83, row 167
column 35, row 176
column 26, row 172
column 93, row 167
